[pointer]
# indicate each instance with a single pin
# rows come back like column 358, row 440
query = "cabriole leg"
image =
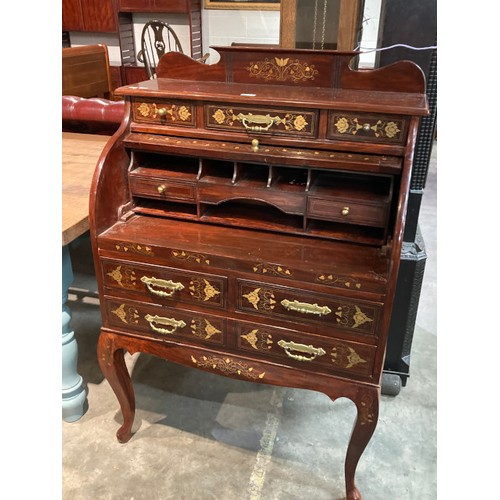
column 367, row 404
column 112, row 363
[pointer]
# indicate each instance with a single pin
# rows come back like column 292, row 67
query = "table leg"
column 73, row 393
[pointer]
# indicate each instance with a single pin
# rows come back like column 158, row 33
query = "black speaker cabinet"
column 414, row 23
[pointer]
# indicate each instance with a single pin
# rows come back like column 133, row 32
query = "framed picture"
column 242, row 4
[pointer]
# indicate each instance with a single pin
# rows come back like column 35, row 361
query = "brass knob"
column 161, row 188
column 366, row 127
column 255, row 145
column 345, row 211
column 162, row 111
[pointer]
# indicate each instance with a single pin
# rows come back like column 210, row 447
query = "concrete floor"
column 202, row 436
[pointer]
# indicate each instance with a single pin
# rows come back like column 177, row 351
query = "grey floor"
column 201, row 436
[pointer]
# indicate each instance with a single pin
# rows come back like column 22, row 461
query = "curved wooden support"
column 367, row 404
column 112, row 363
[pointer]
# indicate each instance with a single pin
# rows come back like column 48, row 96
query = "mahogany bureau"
column 247, row 219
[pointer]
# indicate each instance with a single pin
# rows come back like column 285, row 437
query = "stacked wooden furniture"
column 116, row 16
column 247, row 220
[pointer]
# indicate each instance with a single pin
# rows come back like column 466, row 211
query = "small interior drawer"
column 347, row 211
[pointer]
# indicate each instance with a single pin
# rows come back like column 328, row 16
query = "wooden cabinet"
column 89, row 15
column 248, row 221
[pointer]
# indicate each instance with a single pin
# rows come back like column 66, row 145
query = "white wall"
column 223, row 27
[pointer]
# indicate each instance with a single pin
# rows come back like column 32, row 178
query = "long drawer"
column 305, row 307
column 305, row 351
column 163, row 285
column 165, row 322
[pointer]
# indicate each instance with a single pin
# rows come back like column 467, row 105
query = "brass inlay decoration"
column 182, row 113
column 124, row 276
column 127, row 314
column 282, row 69
column 352, row 319
column 174, row 324
column 261, row 299
column 154, row 283
column 366, row 414
column 134, row 248
column 202, row 328
column 228, row 366
column 274, row 269
column 192, row 257
column 332, row 279
column 346, row 357
column 305, row 308
column 261, row 123
column 311, row 351
column 202, row 289
column 380, row 128
column 260, row 341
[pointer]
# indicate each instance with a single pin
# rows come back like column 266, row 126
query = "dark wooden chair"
column 158, row 38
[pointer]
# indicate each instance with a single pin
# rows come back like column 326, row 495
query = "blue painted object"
column 73, row 393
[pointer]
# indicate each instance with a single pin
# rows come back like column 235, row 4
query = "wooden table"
column 80, row 153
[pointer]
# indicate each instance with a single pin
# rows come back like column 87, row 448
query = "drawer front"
column 161, row 188
column 306, row 307
column 176, row 113
column 305, row 351
column 366, row 127
column 347, row 211
column 165, row 322
column 297, row 123
column 164, row 284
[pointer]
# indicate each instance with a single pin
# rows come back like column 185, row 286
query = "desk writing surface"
column 80, row 153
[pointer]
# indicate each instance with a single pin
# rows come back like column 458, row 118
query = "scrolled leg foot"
column 112, row 363
column 353, row 494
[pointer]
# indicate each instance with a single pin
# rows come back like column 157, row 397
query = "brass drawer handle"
column 313, row 352
column 264, row 122
column 174, row 323
column 305, row 308
column 345, row 211
column 162, row 112
column 156, row 282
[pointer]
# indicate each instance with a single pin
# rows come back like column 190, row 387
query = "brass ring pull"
column 174, row 323
column 305, row 308
column 168, row 284
column 312, row 351
column 264, row 122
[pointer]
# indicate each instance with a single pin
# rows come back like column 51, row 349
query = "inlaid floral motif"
column 261, row 299
column 204, row 329
column 202, row 289
column 227, row 366
column 346, row 357
column 124, row 276
column 274, row 269
column 127, row 314
column 134, row 248
column 282, row 69
column 351, row 316
column 193, row 257
column 332, row 279
column 259, row 340
column 176, row 112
